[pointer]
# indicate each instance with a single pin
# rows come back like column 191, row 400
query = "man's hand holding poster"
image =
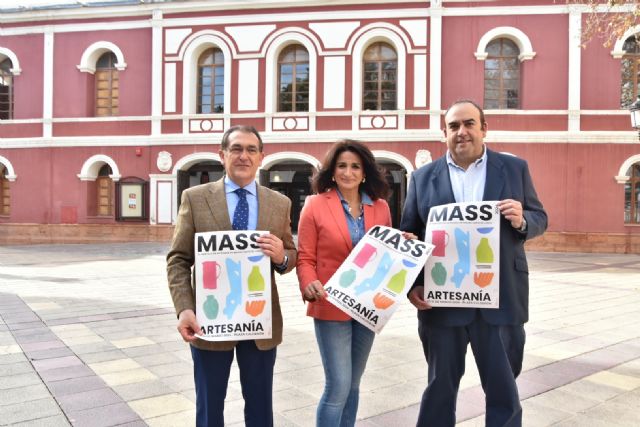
column 233, row 286
column 372, row 279
column 464, row 267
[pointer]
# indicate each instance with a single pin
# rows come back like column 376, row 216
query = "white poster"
column 233, row 286
column 376, row 275
column 464, row 268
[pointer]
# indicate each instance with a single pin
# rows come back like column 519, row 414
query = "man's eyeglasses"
column 237, row 150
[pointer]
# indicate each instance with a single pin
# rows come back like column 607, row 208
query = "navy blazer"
column 507, row 178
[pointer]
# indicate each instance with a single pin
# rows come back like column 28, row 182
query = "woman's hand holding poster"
column 464, row 267
column 233, row 286
column 375, row 275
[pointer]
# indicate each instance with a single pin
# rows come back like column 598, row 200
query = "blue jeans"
column 344, row 348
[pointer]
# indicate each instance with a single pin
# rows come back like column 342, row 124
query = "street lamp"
column 634, row 110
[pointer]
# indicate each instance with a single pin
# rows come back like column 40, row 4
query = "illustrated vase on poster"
column 210, row 307
column 484, row 253
column 256, row 280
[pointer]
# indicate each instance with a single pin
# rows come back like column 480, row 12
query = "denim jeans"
column 344, row 348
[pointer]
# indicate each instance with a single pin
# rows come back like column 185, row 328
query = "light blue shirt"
column 252, row 200
column 355, row 225
column 468, row 185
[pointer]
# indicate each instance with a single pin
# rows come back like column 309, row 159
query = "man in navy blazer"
column 470, row 172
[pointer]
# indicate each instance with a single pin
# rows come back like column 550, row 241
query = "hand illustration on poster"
column 375, row 276
column 233, row 286
column 464, row 268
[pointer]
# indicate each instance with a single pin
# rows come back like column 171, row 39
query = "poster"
column 130, row 200
column 464, row 268
column 376, row 275
column 233, row 286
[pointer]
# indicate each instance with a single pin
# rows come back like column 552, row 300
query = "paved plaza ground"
column 88, row 338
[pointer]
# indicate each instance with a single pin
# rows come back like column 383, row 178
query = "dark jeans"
column 211, row 375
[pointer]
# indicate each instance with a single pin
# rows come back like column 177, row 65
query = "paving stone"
column 54, row 421
column 15, row 395
column 46, row 345
column 103, row 416
column 102, row 356
column 179, row 419
column 57, row 362
column 76, row 385
column 66, row 373
column 145, row 350
column 8, row 359
column 117, row 365
column 49, row 354
column 154, row 359
column 161, row 405
column 128, row 377
column 19, row 380
column 15, row 368
column 142, row 390
column 88, row 399
column 31, row 410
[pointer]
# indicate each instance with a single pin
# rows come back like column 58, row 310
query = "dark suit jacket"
column 204, row 208
column 507, row 178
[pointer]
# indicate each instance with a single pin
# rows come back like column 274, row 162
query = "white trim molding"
column 15, row 64
column 191, row 159
column 95, row 51
column 92, row 165
column 511, row 33
column 367, row 36
column 284, row 156
column 618, row 51
column 11, row 173
column 275, row 45
column 193, row 46
column 623, row 173
column 394, row 157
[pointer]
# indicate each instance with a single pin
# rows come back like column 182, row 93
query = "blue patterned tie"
column 241, row 214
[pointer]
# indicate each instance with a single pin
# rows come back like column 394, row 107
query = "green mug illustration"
column 439, row 274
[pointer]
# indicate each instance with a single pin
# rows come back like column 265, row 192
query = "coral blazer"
column 324, row 243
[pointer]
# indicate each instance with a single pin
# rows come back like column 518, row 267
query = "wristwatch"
column 282, row 267
column 523, row 227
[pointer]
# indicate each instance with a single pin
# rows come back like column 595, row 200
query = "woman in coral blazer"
column 350, row 200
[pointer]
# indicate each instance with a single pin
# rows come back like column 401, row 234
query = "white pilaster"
column 156, row 72
column 47, row 95
column 435, row 67
column 575, row 55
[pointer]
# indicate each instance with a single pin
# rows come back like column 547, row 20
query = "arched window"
column 502, row 75
column 210, row 82
column 379, row 82
column 107, row 88
column 5, row 195
column 632, row 196
column 630, row 72
column 6, row 90
column 104, row 187
column 293, row 79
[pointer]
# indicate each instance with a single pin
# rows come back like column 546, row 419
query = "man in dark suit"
column 470, row 172
column 211, row 207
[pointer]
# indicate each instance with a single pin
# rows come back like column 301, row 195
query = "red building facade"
column 107, row 113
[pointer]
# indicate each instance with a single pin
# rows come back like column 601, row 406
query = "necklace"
column 358, row 209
